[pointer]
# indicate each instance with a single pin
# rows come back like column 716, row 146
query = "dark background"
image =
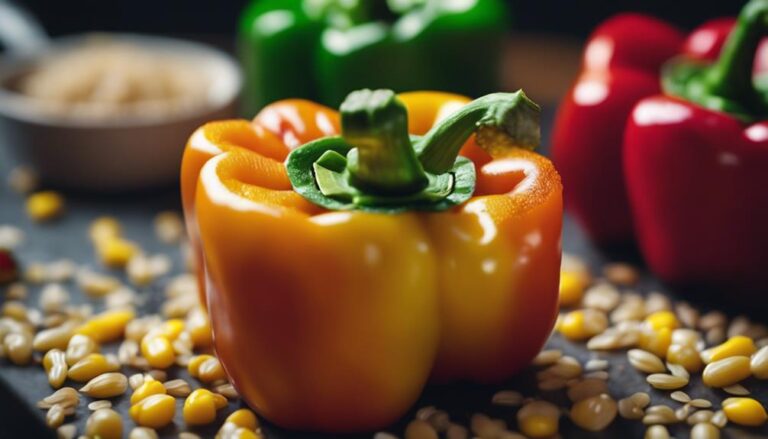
column 569, row 17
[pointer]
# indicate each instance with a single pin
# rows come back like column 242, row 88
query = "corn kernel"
column 104, row 228
column 148, row 388
column 199, row 328
column 571, row 288
column 55, row 365
column 158, row 351
column 194, row 364
column 169, row 329
column 90, row 367
column 582, row 324
column 244, row 418
column 154, row 411
column 45, row 205
column 686, row 356
column 656, row 341
column 662, row 319
column 107, row 326
column 201, row 405
column 745, row 411
column 726, row 372
column 539, row 426
column 105, row 424
column 737, row 345
column 116, row 252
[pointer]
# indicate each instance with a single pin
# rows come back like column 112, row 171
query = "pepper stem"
column 383, row 160
column 512, row 115
column 731, row 76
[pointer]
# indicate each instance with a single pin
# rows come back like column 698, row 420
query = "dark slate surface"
column 20, row 388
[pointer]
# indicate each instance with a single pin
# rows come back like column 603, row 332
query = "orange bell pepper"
column 335, row 320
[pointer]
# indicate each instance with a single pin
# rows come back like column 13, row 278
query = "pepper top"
column 375, row 165
column 728, row 84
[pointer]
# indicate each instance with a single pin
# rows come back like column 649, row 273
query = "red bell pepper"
column 620, row 66
column 695, row 161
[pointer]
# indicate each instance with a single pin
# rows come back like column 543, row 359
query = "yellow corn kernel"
column 45, row 205
column 539, row 426
column 116, row 252
column 90, row 367
column 686, row 356
column 571, row 288
column 242, row 433
column 107, row 326
column 662, row 319
column 158, row 351
column 211, row 371
column 105, row 424
column 737, row 345
column 169, row 329
column 148, row 388
column 582, row 324
column 244, row 418
column 745, row 411
column 726, row 372
column 194, row 364
column 154, row 411
column 55, row 365
column 104, row 228
column 199, row 328
column 656, row 341
column 201, row 405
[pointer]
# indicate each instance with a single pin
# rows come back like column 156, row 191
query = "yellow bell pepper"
column 334, row 320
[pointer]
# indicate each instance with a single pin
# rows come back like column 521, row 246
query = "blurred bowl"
column 120, row 153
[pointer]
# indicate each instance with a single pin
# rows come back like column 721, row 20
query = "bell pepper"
column 621, row 65
column 323, row 49
column 695, row 161
column 341, row 279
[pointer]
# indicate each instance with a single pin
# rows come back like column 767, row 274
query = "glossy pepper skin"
column 323, row 49
column 335, row 320
column 621, row 65
column 695, row 161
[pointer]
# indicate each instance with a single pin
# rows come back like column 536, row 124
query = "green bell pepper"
column 323, row 49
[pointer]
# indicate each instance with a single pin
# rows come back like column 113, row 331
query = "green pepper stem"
column 731, row 76
column 512, row 115
column 383, row 160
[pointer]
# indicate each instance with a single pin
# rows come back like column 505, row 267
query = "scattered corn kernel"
column 148, row 388
column 201, row 405
column 582, row 324
column 154, row 411
column 656, row 341
column 45, row 205
column 194, row 364
column 726, row 372
column 104, row 228
column 158, row 351
column 106, row 385
column 116, row 252
column 745, row 411
column 105, row 424
column 107, row 326
column 79, row 347
column 244, row 418
column 737, row 345
column 759, row 363
column 169, row 329
column 571, row 288
column 686, row 356
column 55, row 365
column 92, row 366
column 662, row 319
column 199, row 328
